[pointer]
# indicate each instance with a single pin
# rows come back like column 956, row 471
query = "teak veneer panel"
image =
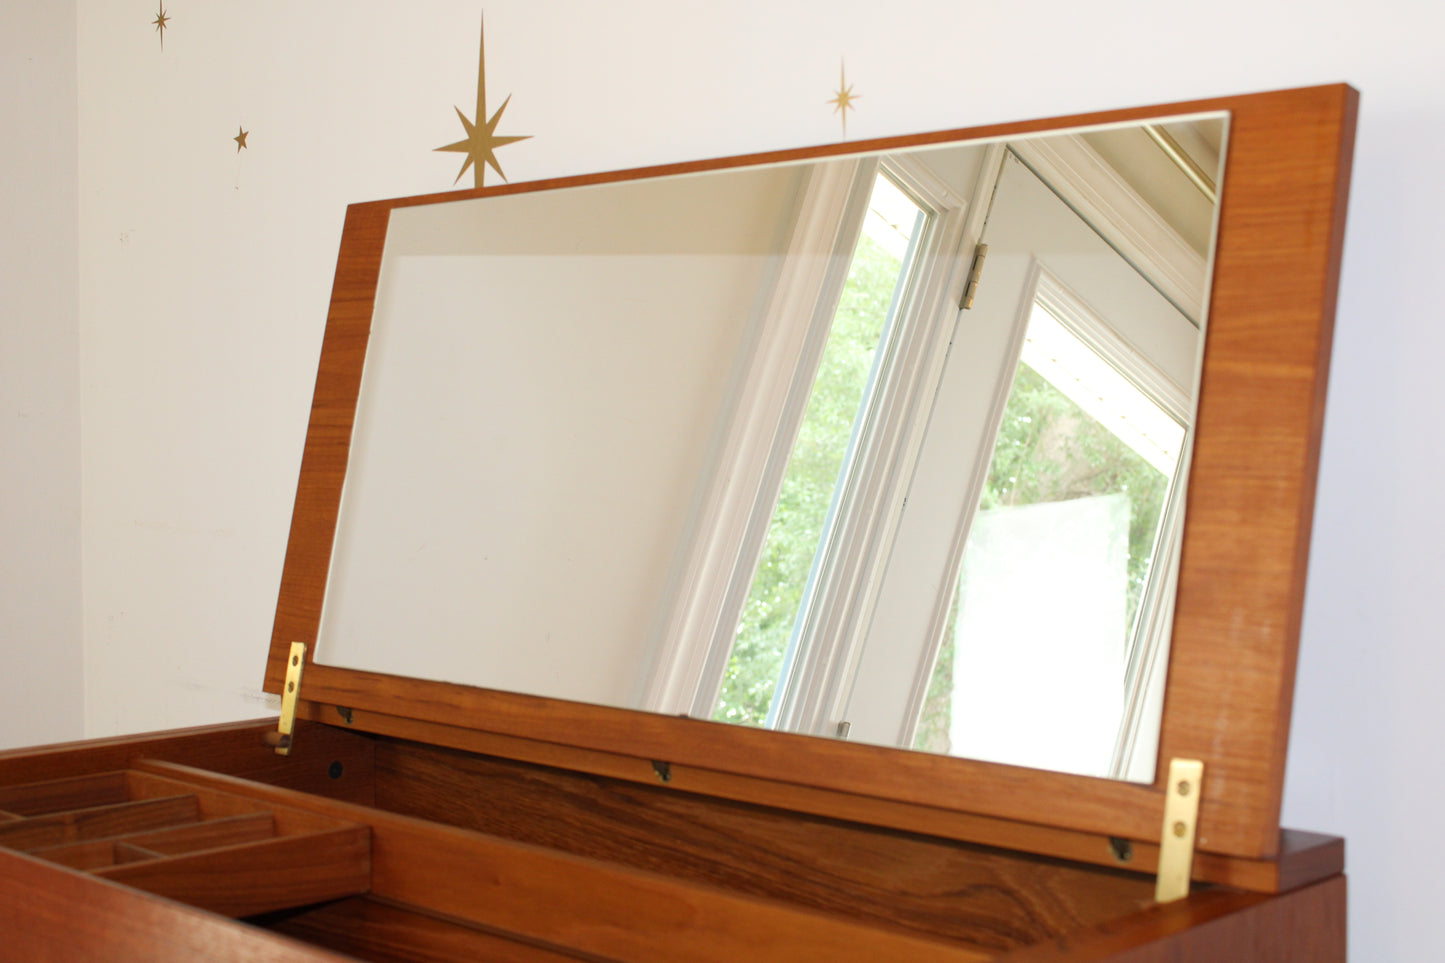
column 986, row 898
column 1302, row 858
column 1243, row 559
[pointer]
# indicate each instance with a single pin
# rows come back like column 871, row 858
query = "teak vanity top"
column 429, row 820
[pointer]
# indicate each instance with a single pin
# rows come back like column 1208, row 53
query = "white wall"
column 40, row 572
column 538, row 406
column 204, row 276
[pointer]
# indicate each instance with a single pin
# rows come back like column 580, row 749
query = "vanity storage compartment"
column 461, row 856
column 507, row 655
column 168, row 836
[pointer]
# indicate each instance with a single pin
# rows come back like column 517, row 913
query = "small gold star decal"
column 843, row 98
column 160, row 22
column 481, row 142
column 240, row 138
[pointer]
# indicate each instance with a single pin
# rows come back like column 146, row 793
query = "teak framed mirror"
column 1241, row 565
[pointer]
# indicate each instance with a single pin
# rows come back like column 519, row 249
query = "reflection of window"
column 837, row 403
column 1068, row 522
column 814, row 598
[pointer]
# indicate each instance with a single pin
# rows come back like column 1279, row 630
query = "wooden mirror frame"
column 1241, row 583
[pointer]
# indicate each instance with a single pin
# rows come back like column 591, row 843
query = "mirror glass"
column 887, row 447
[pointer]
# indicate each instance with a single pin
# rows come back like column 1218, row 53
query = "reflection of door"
column 1041, row 257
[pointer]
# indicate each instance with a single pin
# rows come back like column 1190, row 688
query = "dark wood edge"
column 1245, row 544
column 238, row 748
column 119, row 747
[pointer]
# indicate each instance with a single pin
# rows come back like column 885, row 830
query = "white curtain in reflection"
column 1041, row 634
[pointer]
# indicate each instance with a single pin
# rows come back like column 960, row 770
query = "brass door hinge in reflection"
column 1181, row 818
column 290, row 691
column 975, row 271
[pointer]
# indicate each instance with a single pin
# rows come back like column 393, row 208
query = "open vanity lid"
column 1241, row 568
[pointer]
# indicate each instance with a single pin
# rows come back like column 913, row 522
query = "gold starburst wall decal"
column 481, row 143
column 161, row 22
column 843, row 97
column 240, row 138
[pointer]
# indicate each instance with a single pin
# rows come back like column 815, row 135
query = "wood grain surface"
column 986, row 898
column 237, row 748
column 1245, row 544
column 32, row 799
column 50, row 914
column 1301, row 858
column 819, row 889
column 1305, row 926
column 611, row 911
column 384, row 933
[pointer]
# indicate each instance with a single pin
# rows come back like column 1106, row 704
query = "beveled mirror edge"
column 1245, row 547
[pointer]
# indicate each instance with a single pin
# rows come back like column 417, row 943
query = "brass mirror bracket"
column 295, row 663
column 1181, row 815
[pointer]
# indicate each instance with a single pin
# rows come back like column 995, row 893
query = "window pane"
column 1079, row 477
column 816, row 463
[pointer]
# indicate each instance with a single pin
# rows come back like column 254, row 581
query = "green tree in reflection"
column 812, row 474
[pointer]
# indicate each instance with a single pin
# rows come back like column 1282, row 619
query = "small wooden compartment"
column 169, row 836
column 418, row 820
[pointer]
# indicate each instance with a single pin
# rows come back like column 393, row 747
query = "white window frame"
column 694, row 635
column 838, row 603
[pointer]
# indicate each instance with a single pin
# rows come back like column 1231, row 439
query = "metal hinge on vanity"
column 290, row 692
column 1181, row 819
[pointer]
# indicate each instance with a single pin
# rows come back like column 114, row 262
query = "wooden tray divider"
column 118, row 819
column 215, row 850
column 171, row 841
column 258, row 877
column 211, row 834
column 131, row 853
column 87, row 856
column 288, row 821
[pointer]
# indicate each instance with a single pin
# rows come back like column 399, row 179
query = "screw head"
column 1184, row 787
column 1180, row 829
